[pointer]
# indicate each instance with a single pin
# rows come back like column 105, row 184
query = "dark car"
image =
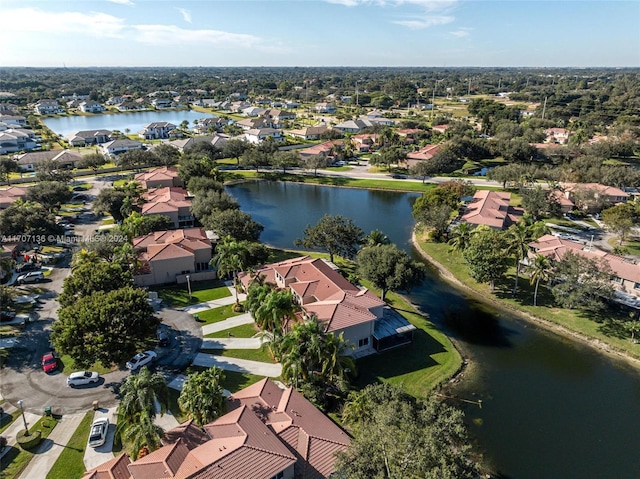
column 163, row 339
column 25, row 267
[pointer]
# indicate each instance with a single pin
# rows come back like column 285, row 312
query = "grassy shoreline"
column 567, row 323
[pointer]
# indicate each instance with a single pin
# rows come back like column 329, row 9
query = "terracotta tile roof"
column 187, row 235
column 166, row 251
column 116, row 468
column 491, row 208
column 188, row 432
column 322, row 148
column 610, row 191
column 425, row 153
column 311, row 435
column 555, row 248
column 158, row 174
column 164, row 200
column 161, row 463
column 321, row 291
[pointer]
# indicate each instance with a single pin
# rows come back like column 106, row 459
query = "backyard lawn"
column 263, row 355
column 177, row 295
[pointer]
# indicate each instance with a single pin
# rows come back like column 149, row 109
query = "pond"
column 551, row 408
column 133, row 121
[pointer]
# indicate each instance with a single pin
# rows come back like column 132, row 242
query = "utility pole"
column 544, row 107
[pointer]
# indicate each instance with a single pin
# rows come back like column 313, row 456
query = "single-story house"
column 169, row 201
column 116, row 147
column 442, row 129
column 423, row 154
column 89, row 137
column 131, row 105
column 165, row 255
column 366, row 322
column 254, row 123
column 214, row 140
column 579, row 193
column 253, row 111
column 308, row 133
column 324, row 108
column 269, row 433
column 10, row 195
column 163, row 103
column 352, row 126
column 160, row 177
column 322, row 149
column 65, row 158
column 278, row 116
column 491, row 208
column 364, row 142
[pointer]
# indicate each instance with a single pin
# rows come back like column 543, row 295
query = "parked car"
column 26, row 267
column 98, row 434
column 49, row 362
column 7, row 315
column 163, row 339
column 141, row 359
column 82, row 377
column 32, row 277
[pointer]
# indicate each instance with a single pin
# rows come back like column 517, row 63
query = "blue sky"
column 431, row 33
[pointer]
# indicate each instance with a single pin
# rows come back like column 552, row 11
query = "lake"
column 551, row 408
column 134, row 121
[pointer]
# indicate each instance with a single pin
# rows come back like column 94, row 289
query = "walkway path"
column 238, row 365
column 232, row 343
column 16, row 426
column 227, row 324
column 94, row 456
column 50, row 449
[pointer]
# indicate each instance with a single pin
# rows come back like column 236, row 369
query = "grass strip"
column 216, row 314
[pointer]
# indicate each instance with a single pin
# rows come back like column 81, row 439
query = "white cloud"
column 186, row 14
column 173, row 35
column 462, row 32
column 33, row 20
column 122, row 2
column 430, row 5
column 346, row 3
column 425, row 22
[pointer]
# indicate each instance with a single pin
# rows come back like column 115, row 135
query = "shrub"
column 29, row 442
column 238, row 308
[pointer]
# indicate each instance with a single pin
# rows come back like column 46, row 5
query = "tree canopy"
column 337, row 235
column 486, row 256
column 201, row 396
column 91, row 276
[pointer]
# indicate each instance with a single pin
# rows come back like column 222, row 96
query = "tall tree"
column 166, row 155
column 7, row 166
column 212, row 201
column 286, row 159
column 92, row 161
column 51, row 194
column 201, row 397
column 50, row 170
column 25, row 218
column 333, row 234
column 110, row 201
column 485, row 256
column 540, row 271
column 620, row 219
column 235, row 148
column 460, row 236
column 518, row 237
column 235, row 223
column 376, row 238
column 314, row 162
column 91, row 276
column 277, row 309
column 389, row 268
column 231, row 257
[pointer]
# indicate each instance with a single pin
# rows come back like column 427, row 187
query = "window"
column 280, row 475
column 363, row 342
column 636, row 286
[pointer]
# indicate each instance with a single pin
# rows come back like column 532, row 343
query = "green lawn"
column 174, row 407
column 262, row 354
column 16, row 459
column 216, row 314
column 234, row 381
column 68, row 366
column 177, row 296
column 70, row 464
column 242, row 331
column 608, row 328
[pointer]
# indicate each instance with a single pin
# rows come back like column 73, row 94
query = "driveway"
column 238, row 365
column 94, row 456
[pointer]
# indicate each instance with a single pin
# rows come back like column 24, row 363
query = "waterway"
column 133, row 121
column 551, row 408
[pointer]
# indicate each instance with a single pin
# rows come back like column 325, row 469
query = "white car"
column 98, row 434
column 82, row 377
column 141, row 359
column 32, row 277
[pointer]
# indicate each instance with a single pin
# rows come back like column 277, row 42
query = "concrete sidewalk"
column 94, row 456
column 238, row 365
column 50, row 449
column 227, row 324
column 15, row 427
column 232, row 343
column 215, row 303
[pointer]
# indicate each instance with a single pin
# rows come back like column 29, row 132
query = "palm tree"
column 541, row 270
column 231, row 257
column 84, row 256
column 201, row 397
column 142, row 433
column 376, row 238
column 256, row 295
column 357, row 408
column 276, row 310
column 139, row 395
column 460, row 237
column 518, row 238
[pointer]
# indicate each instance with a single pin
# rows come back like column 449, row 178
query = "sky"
column 423, row 33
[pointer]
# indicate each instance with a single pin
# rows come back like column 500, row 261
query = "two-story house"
column 157, row 130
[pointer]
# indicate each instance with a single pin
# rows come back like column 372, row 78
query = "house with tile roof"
column 89, row 137
column 442, row 129
column 557, row 135
column 365, row 321
column 593, row 197
column 169, row 201
column 491, row 208
column 423, row 154
column 165, row 256
column 10, row 195
column 64, row 158
column 160, row 177
column 308, row 133
column 323, row 149
column 625, row 273
column 268, row 433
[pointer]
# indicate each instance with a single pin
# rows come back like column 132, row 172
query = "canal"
column 551, row 408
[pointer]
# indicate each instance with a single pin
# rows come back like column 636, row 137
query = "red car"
column 49, row 362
